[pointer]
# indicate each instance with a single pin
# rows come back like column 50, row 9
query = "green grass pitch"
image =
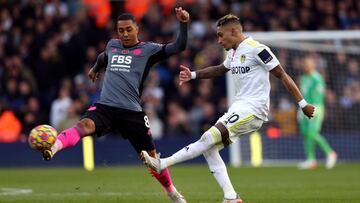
column 133, row 184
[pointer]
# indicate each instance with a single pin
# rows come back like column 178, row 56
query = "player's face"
column 225, row 37
column 127, row 31
column 309, row 65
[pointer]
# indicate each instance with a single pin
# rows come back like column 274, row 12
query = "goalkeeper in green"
column 313, row 88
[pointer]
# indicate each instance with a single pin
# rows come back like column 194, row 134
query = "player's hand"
column 184, row 75
column 309, row 110
column 182, row 15
column 93, row 75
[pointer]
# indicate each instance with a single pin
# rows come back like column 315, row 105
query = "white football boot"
column 176, row 197
column 237, row 200
column 154, row 163
column 308, row 165
column 331, row 160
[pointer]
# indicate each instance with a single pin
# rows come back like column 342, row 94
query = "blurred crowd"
column 48, row 46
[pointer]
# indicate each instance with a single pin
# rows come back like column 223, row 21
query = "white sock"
column 218, row 169
column 57, row 146
column 189, row 152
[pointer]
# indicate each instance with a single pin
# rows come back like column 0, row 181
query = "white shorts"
column 239, row 120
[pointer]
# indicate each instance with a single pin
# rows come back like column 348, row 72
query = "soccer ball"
column 42, row 137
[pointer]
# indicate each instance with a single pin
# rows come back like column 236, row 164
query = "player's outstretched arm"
column 209, row 72
column 101, row 62
column 181, row 40
column 289, row 83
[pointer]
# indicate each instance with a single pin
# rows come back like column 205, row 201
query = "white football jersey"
column 250, row 64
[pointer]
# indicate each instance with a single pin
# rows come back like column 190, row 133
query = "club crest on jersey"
column 137, row 52
column 242, row 58
column 125, row 51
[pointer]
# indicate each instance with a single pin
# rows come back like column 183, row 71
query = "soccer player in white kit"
column 250, row 63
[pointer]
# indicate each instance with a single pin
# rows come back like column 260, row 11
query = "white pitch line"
column 96, row 193
column 19, row 191
column 14, row 191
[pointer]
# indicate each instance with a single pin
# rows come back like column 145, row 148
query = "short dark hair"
column 126, row 16
column 229, row 18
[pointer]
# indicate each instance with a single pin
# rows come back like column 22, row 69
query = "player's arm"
column 209, row 72
column 100, row 63
column 181, row 40
column 289, row 83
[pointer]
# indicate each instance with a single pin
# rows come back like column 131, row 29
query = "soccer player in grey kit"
column 127, row 61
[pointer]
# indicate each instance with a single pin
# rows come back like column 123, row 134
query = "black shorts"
column 131, row 125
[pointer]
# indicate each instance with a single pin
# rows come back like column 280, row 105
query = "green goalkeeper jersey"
column 313, row 88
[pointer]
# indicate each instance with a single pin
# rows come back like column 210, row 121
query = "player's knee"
column 211, row 136
column 87, row 125
column 224, row 134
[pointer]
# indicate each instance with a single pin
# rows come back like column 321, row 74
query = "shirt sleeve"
column 180, row 44
column 156, row 47
column 266, row 58
column 228, row 59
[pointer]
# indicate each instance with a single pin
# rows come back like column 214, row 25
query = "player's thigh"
column 135, row 127
column 101, row 116
column 239, row 121
column 303, row 126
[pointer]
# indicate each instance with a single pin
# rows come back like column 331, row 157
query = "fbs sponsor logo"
column 120, row 63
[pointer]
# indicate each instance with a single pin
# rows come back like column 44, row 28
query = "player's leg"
column 237, row 120
column 230, row 125
column 207, row 140
column 308, row 143
column 315, row 128
column 94, row 118
column 165, row 180
column 69, row 137
column 136, row 129
column 218, row 170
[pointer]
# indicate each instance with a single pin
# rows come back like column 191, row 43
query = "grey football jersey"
column 126, row 71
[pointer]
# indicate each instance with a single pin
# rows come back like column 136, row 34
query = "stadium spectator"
column 100, row 10
column 71, row 117
column 60, row 106
column 177, row 122
column 32, row 115
column 250, row 63
column 127, row 61
column 10, row 125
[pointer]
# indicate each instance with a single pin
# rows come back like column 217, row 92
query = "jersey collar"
column 243, row 42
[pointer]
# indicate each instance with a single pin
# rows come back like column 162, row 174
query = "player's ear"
column 136, row 28
column 233, row 31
